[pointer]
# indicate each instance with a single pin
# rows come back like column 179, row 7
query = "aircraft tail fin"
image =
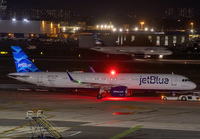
column 22, row 62
column 98, row 41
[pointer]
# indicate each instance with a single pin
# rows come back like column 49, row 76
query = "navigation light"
column 112, row 72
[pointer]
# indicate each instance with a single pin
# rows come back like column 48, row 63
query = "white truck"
column 192, row 96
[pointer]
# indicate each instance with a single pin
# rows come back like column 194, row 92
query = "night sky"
column 143, row 8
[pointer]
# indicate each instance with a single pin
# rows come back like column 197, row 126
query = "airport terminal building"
column 25, row 28
column 38, row 29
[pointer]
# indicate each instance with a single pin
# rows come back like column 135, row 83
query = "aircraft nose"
column 169, row 52
column 193, row 85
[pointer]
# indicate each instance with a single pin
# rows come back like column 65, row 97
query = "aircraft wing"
column 90, row 84
column 110, row 50
column 147, row 50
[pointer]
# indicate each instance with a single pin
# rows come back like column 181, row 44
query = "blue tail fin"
column 98, row 41
column 22, row 62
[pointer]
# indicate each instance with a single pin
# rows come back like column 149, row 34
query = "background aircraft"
column 147, row 51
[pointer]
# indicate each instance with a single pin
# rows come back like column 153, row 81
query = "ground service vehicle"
column 194, row 96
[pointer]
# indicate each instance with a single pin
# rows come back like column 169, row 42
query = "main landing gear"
column 99, row 96
column 102, row 93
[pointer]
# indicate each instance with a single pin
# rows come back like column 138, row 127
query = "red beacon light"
column 112, row 72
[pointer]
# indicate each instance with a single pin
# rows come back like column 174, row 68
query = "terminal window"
column 182, row 39
column 150, row 38
column 174, row 39
column 157, row 40
column 166, row 40
column 132, row 38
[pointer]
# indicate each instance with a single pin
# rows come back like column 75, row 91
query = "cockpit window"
column 185, row 80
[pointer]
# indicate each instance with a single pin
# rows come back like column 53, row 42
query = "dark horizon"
column 146, row 8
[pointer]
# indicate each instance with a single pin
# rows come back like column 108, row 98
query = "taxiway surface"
column 78, row 116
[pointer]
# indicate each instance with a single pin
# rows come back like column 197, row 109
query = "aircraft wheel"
column 164, row 98
column 99, row 96
column 183, row 99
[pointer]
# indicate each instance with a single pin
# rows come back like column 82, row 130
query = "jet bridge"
column 41, row 127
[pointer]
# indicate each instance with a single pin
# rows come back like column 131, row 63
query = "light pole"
column 192, row 25
column 142, row 24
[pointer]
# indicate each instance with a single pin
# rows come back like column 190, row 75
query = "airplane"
column 117, row 84
column 147, row 51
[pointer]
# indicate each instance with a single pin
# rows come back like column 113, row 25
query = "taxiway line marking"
column 126, row 132
column 76, row 133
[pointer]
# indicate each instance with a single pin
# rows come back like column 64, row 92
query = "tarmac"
column 79, row 116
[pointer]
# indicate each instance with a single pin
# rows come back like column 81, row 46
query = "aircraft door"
column 174, row 80
column 39, row 79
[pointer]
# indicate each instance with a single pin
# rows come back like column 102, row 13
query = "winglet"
column 70, row 77
column 93, row 71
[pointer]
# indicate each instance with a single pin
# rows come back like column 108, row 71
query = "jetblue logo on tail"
column 22, row 62
column 24, row 65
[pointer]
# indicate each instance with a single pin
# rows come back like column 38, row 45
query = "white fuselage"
column 146, row 50
column 130, row 80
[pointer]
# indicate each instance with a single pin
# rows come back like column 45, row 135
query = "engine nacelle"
column 119, row 91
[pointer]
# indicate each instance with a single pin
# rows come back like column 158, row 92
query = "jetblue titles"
column 153, row 80
column 24, row 65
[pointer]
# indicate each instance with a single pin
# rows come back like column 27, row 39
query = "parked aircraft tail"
column 98, row 41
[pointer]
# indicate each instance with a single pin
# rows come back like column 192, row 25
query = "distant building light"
column 120, row 30
column 13, row 19
column 152, row 29
column 105, row 26
column 111, row 26
column 101, row 26
column 4, row 52
column 75, row 28
column 127, row 30
column 136, row 29
column 192, row 30
column 160, row 56
column 25, row 20
column 142, row 23
column 146, row 29
column 64, row 29
column 114, row 29
column 97, row 26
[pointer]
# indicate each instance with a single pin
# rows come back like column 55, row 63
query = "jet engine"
column 119, row 91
